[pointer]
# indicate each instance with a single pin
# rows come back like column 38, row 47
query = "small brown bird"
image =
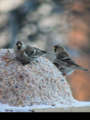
column 27, row 54
column 63, row 61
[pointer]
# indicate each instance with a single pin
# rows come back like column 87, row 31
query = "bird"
column 27, row 54
column 64, row 62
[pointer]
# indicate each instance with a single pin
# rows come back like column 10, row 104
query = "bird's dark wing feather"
column 65, row 59
column 69, row 61
column 62, row 55
column 39, row 51
column 34, row 52
column 29, row 51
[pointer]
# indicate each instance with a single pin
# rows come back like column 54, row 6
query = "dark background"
column 45, row 23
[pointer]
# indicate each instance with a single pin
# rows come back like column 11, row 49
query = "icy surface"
column 39, row 84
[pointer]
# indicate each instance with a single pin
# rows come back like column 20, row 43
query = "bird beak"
column 19, row 44
column 54, row 48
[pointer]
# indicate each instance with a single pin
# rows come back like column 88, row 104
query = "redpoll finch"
column 27, row 54
column 63, row 61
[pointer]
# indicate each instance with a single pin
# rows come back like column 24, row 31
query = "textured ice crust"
column 40, row 83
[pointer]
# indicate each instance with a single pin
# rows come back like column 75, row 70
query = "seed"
column 16, row 86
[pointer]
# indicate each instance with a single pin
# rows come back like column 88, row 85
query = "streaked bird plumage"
column 63, row 61
column 27, row 54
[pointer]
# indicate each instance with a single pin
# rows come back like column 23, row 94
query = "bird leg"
column 64, row 74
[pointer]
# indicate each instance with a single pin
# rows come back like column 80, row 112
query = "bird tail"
column 48, row 53
column 84, row 69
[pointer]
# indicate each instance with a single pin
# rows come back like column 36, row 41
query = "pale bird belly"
column 67, row 70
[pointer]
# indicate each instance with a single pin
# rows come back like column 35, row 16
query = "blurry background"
column 45, row 23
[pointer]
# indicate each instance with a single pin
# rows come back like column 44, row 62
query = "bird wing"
column 62, row 55
column 29, row 51
column 68, row 61
column 38, row 51
column 65, row 61
column 34, row 52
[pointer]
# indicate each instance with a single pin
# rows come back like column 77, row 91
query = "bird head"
column 20, row 45
column 58, row 49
